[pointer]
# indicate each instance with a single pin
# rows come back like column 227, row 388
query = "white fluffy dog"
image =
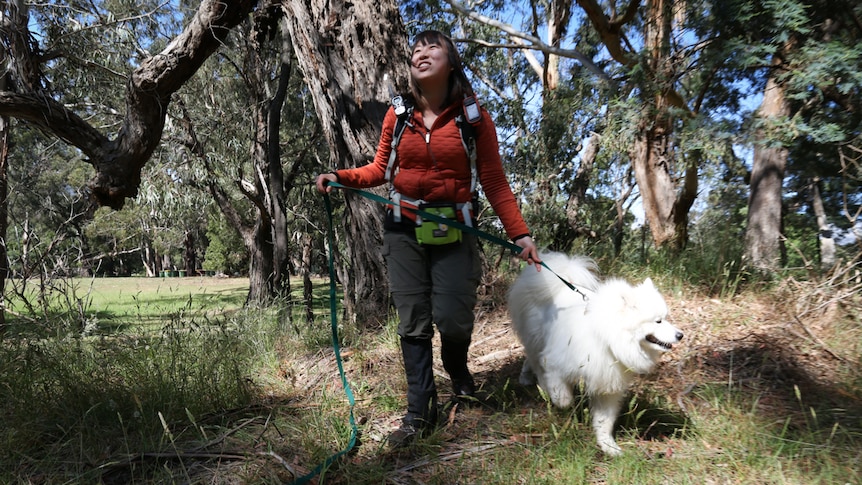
column 603, row 337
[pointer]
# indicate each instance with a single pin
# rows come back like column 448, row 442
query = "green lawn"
column 111, row 304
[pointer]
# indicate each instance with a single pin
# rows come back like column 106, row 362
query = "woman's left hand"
column 529, row 251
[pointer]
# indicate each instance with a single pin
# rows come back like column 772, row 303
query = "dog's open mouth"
column 653, row 340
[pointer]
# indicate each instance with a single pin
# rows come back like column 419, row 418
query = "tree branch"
column 610, row 29
column 51, row 116
column 118, row 161
column 535, row 42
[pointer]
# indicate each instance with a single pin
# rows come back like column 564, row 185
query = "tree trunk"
column 651, row 161
column 686, row 198
column 653, row 156
column 826, row 236
column 277, row 200
column 558, row 21
column 189, row 257
column 267, row 243
column 260, row 263
column 305, row 271
column 4, row 216
column 344, row 54
column 621, row 207
column 763, row 239
column 148, row 254
column 581, row 182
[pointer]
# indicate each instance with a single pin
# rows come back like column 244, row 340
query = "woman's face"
column 429, row 65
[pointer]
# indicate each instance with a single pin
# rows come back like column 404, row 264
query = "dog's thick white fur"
column 604, row 339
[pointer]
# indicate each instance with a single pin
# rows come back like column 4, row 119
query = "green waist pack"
column 435, row 233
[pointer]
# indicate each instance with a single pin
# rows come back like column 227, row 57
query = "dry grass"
column 765, row 388
column 753, row 374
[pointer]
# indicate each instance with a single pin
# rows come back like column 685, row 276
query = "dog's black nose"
column 679, row 335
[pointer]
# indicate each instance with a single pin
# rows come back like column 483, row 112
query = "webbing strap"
column 468, row 140
column 334, row 320
column 451, row 222
column 400, row 124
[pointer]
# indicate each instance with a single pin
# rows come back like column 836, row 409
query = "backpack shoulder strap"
column 404, row 111
column 468, row 139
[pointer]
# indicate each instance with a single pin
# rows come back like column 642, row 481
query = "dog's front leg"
column 604, row 409
column 558, row 389
column 527, row 377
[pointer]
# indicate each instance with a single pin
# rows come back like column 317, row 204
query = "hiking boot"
column 404, row 436
column 421, row 390
column 454, row 356
column 464, row 389
column 412, row 428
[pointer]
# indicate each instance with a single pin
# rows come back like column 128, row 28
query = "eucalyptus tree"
column 805, row 58
column 150, row 81
column 252, row 139
column 823, row 77
column 626, row 53
column 349, row 57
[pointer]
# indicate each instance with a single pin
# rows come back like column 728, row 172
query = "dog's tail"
column 544, row 286
column 577, row 270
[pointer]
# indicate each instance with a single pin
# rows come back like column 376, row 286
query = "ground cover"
column 765, row 388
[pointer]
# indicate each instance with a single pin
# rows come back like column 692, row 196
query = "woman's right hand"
column 323, row 180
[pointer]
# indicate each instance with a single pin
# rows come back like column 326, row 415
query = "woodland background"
column 712, row 145
column 142, row 137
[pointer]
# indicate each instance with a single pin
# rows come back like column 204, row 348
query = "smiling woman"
column 433, row 277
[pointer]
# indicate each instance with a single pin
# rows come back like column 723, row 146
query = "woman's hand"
column 323, row 180
column 529, row 251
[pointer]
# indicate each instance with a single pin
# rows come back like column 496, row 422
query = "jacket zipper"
column 428, row 148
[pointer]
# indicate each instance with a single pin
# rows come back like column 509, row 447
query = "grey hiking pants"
column 433, row 285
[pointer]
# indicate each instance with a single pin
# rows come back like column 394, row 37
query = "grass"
column 110, row 305
column 183, row 385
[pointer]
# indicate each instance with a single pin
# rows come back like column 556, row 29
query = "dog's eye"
column 658, row 320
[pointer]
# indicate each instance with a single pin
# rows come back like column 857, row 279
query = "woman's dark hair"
column 459, row 86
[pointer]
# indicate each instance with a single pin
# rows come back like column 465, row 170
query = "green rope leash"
column 332, row 311
column 332, row 306
column 451, row 222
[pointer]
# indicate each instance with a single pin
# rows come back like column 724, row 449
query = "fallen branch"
column 822, row 344
column 444, row 457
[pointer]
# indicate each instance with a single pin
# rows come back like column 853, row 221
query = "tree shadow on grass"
column 792, row 390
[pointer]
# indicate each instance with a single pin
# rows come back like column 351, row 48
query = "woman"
column 435, row 284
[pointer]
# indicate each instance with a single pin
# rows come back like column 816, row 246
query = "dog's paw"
column 610, row 447
column 527, row 377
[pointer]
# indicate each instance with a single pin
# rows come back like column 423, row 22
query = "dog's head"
column 640, row 314
column 658, row 333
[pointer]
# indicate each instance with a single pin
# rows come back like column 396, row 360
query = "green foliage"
column 225, row 252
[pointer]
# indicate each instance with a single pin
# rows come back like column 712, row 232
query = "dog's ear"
column 648, row 282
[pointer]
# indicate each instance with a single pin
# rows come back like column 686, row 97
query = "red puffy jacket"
column 433, row 166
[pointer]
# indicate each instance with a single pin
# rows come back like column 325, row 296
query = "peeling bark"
column 344, row 51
